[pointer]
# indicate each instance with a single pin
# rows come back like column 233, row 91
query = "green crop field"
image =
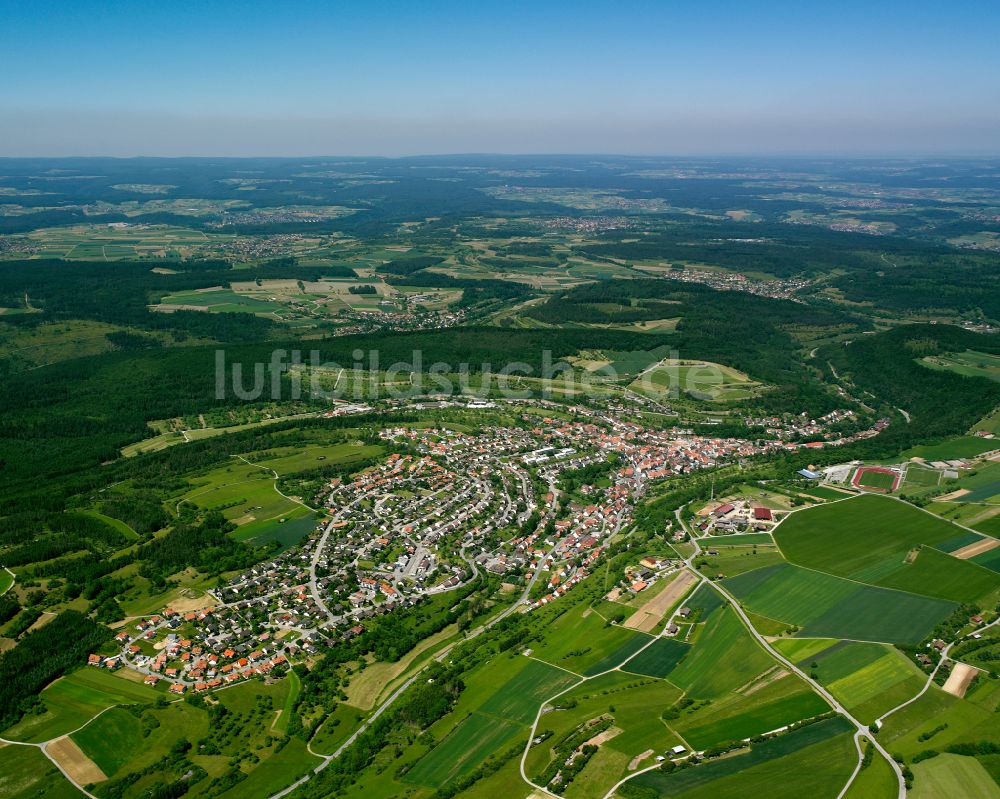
column 111, row 739
column 832, row 607
column 72, row 701
column 278, row 771
column 933, row 573
column 853, row 537
column 471, row 742
column 634, row 703
column 25, row 773
column 580, row 639
column 815, row 760
column 877, row 781
column 959, row 447
column 763, row 715
column 952, row 775
column 658, row 659
column 740, row 539
column 866, row 678
column 519, row 698
column 724, row 658
column 628, row 647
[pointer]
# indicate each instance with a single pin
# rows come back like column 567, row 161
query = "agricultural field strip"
column 930, row 678
column 43, row 748
column 851, row 579
column 862, row 730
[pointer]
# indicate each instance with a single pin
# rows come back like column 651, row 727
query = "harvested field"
column 959, row 679
column 635, row 761
column 953, row 495
column 649, row 615
column 977, row 548
column 80, row 768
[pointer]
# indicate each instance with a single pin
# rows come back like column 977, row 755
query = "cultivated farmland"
column 856, row 537
column 832, row 607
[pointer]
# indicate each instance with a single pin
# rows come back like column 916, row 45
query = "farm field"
column 701, row 380
column 826, row 606
column 936, row 574
column 724, row 658
column 968, row 363
column 25, row 773
column 635, row 704
column 658, row 659
column 958, row 447
column 73, row 700
column 953, row 775
column 767, row 704
column 858, row 536
column 583, row 642
column 470, row 743
column 815, row 760
column 520, row 697
column 877, row 781
column 867, row 679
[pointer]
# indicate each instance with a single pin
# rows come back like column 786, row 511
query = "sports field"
column 858, row 536
column 826, row 606
column 875, row 478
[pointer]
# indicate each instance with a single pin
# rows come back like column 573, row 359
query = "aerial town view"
column 450, row 400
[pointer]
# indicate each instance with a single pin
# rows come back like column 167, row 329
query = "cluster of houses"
column 445, row 506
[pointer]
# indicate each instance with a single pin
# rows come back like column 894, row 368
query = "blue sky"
column 294, row 78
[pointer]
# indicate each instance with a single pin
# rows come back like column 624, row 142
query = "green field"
column 831, row 607
column 477, row 737
column 859, row 536
column 757, row 714
column 724, row 658
column 952, row 775
column 658, row 659
column 867, row 679
column 111, row 739
column 581, row 640
column 968, row 363
column 959, row 447
column 73, row 700
column 933, row 573
column 877, row 781
column 519, row 698
column 25, row 773
column 634, row 703
column 815, row 760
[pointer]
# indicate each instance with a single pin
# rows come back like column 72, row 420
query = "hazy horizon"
column 390, row 79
